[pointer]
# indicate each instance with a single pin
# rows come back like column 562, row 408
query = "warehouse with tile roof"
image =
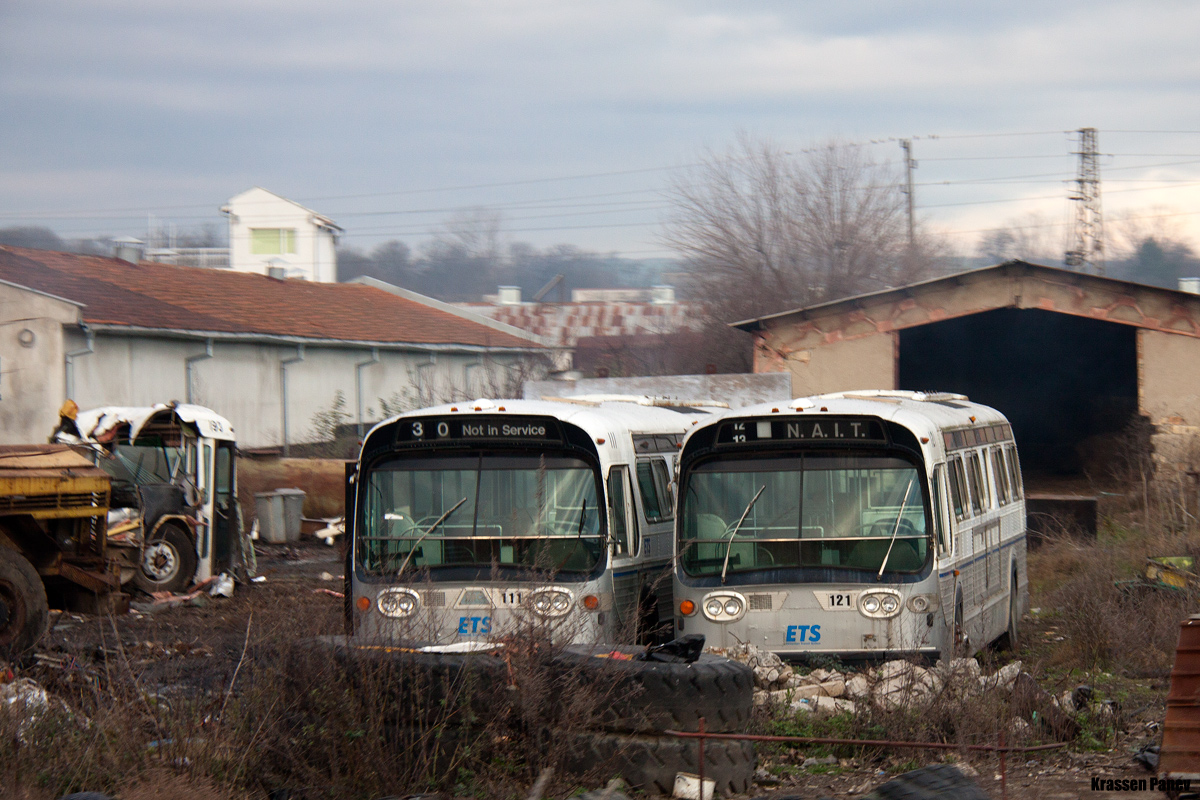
column 267, row 354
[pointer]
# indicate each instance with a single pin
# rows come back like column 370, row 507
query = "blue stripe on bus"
column 1009, row 543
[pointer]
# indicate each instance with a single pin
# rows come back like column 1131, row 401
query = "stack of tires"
column 642, row 699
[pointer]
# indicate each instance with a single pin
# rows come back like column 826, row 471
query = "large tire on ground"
column 24, row 612
column 167, row 562
column 414, row 688
column 650, row 763
column 650, row 696
column 935, row 782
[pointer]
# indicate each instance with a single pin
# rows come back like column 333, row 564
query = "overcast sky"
column 571, row 116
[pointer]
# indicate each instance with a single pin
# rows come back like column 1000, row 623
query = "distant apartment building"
column 587, row 332
column 271, row 235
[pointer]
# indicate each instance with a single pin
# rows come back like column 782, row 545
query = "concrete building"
column 267, row 354
column 629, row 318
column 1070, row 358
column 271, row 235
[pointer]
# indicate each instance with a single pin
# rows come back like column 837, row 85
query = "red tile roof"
column 164, row 296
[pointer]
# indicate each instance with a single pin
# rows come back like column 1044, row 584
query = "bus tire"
column 935, row 782
column 167, row 562
column 24, row 610
column 1011, row 637
column 962, row 644
column 650, row 763
column 650, row 696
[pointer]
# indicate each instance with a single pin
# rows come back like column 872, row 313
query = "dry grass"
column 270, row 710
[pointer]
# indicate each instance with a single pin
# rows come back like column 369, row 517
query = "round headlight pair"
column 879, row 604
column 724, row 606
column 551, row 602
column 397, row 603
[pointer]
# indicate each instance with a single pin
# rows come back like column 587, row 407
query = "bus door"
column 224, row 519
column 657, row 514
column 624, row 535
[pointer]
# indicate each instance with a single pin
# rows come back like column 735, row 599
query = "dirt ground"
column 198, row 645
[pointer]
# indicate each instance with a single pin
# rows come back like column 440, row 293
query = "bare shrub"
column 271, row 708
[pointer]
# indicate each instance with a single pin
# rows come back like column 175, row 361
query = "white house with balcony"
column 271, row 235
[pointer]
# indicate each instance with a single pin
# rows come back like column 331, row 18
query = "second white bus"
column 859, row 524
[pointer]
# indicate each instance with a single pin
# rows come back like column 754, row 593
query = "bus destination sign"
column 823, row 430
column 514, row 430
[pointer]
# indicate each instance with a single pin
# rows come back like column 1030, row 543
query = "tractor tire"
column 935, row 782
column 652, row 696
column 167, row 562
column 650, row 763
column 24, row 611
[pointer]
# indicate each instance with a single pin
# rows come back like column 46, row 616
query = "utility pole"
column 909, row 165
column 1087, row 251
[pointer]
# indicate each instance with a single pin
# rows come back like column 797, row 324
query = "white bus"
column 858, row 524
column 471, row 519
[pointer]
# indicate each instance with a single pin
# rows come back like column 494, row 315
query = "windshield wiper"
column 417, row 544
column 736, row 528
column 896, row 529
column 582, row 514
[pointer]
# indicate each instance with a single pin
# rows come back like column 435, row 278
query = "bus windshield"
column 811, row 511
column 534, row 511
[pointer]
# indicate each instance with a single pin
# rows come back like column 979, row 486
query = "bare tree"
column 763, row 231
column 1032, row 237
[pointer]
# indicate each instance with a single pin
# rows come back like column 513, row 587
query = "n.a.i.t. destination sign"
column 817, row 430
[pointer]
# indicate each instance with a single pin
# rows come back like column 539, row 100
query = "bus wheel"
column 961, row 644
column 24, row 612
column 1011, row 638
column 168, row 561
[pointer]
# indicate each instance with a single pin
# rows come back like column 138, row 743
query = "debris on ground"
column 334, row 527
column 1173, row 573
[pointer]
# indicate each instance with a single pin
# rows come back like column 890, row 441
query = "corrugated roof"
column 169, row 297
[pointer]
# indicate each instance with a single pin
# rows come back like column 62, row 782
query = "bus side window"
column 957, row 486
column 619, row 529
column 978, row 482
column 1014, row 471
column 651, row 503
column 662, row 481
column 1001, row 475
column 939, row 522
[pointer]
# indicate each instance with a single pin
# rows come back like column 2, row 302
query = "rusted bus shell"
column 1179, row 756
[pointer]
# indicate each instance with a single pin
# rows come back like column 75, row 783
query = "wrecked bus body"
column 473, row 520
column 174, row 517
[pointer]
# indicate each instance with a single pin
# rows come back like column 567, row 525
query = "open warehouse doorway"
column 1068, row 384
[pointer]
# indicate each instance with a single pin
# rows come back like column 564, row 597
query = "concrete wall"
column 1169, row 378
column 31, row 363
column 817, row 366
column 314, row 258
column 243, row 380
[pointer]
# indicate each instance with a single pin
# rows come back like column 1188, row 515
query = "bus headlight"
column 397, row 603
column 879, row 603
column 724, row 606
column 551, row 602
